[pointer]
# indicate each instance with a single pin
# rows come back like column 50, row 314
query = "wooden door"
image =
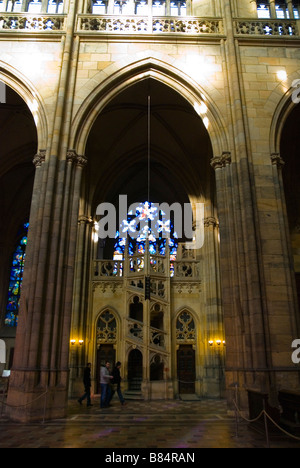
column 186, row 370
column 135, row 370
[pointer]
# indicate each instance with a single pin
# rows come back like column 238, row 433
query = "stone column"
column 39, row 380
column 272, row 9
column 80, row 301
column 290, row 9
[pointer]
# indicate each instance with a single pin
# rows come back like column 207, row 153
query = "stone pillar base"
column 29, row 401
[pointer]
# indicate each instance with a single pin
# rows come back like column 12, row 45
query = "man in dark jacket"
column 117, row 382
column 87, row 385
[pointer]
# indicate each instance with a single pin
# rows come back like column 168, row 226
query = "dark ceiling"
column 118, row 149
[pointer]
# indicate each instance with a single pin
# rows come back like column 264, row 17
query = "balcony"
column 134, row 24
column 92, row 24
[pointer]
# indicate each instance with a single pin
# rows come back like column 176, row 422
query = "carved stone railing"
column 30, row 22
column 150, row 24
column 266, row 27
column 103, row 269
column 157, row 337
column 135, row 329
column 186, row 269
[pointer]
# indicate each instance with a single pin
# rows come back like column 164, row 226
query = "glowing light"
column 282, row 75
column 206, row 122
column 201, row 109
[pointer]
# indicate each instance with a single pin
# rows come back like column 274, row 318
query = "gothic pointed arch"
column 22, row 86
column 107, row 327
column 167, row 74
column 185, row 325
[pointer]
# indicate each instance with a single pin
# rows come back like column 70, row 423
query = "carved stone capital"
column 218, row 162
column 211, row 221
column 81, row 161
column 78, row 160
column 83, row 219
column 39, row 158
column 277, row 160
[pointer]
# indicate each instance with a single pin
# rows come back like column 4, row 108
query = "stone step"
column 133, row 395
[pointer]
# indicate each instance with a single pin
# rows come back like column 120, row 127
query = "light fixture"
column 218, row 342
column 72, row 342
column 210, row 342
column 80, row 342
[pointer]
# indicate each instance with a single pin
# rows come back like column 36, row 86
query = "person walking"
column 87, row 386
column 105, row 382
column 117, row 382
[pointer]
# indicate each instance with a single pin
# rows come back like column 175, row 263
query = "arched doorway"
column 135, row 370
column 106, row 339
column 186, row 363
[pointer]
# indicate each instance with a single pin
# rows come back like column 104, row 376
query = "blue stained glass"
column 16, row 276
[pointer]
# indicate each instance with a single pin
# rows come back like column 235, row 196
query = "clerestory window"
column 280, row 9
column 32, row 6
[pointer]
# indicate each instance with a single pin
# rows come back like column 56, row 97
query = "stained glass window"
column 147, row 221
column 15, row 280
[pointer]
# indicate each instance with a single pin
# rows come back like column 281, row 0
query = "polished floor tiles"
column 171, row 424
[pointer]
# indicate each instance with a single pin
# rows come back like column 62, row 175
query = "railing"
column 187, row 269
column 266, row 27
column 150, row 24
column 29, row 22
column 134, row 24
column 103, row 269
column 135, row 331
column 114, row 269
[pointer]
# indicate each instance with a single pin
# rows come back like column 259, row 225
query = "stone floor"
column 173, row 424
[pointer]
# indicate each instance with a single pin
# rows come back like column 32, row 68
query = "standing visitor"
column 87, row 385
column 117, row 382
column 105, row 381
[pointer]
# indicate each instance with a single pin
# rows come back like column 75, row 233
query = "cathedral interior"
column 187, row 104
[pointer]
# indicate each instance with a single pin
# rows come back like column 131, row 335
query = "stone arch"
column 22, row 86
column 132, row 73
column 283, row 109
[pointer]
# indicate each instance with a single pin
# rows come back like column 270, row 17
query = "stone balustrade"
column 29, row 22
column 266, row 27
column 114, row 269
column 134, row 24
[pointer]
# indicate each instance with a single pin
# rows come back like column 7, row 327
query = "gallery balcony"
column 187, row 26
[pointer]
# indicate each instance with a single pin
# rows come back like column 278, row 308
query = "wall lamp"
column 74, row 342
column 217, row 342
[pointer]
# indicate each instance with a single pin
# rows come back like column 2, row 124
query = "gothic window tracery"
column 106, row 331
column 185, row 328
column 146, row 221
column 15, row 280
